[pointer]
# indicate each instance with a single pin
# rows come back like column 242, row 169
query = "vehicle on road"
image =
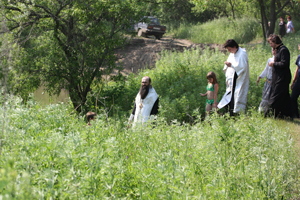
column 150, row 26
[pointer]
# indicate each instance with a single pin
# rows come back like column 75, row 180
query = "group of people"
column 286, row 27
column 276, row 99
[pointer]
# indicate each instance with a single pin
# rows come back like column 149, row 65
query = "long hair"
column 213, row 76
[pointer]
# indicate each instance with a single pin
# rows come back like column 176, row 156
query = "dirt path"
column 143, row 52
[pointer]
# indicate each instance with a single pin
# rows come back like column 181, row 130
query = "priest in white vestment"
column 236, row 70
column 146, row 103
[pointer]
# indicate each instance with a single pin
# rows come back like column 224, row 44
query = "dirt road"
column 143, row 52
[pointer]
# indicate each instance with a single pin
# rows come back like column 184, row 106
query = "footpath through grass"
column 49, row 154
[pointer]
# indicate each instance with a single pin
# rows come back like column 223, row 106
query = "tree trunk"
column 232, row 8
column 272, row 18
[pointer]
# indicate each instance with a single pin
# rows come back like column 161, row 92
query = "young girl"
column 264, row 104
column 212, row 92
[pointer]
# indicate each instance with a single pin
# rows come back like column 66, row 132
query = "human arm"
column 284, row 61
column 203, row 95
column 132, row 115
column 265, row 72
column 292, row 26
column 257, row 81
column 240, row 65
column 216, row 88
column 295, row 78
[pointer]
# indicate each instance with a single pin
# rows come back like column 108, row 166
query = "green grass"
column 219, row 30
column 49, row 154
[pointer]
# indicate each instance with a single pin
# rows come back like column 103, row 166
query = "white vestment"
column 144, row 106
column 240, row 66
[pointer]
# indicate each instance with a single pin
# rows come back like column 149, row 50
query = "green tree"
column 69, row 43
column 271, row 8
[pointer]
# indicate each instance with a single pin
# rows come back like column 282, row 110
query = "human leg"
column 208, row 109
column 294, row 97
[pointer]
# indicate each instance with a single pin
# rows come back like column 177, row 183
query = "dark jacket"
column 281, row 74
column 281, row 77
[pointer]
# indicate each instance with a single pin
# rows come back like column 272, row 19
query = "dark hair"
column 275, row 39
column 289, row 17
column 90, row 115
column 231, row 43
column 281, row 17
column 213, row 76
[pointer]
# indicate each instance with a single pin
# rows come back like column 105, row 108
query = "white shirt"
column 289, row 27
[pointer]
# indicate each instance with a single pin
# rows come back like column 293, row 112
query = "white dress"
column 240, row 66
column 264, row 104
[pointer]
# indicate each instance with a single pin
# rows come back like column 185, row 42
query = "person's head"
column 90, row 116
column 211, row 77
column 281, row 18
column 299, row 46
column 274, row 40
column 289, row 18
column 231, row 45
column 145, row 86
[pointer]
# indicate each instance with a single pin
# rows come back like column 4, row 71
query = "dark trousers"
column 230, row 105
column 294, row 97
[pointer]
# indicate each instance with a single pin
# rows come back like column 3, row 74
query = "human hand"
column 228, row 64
column 203, row 95
column 215, row 105
column 292, row 85
column 271, row 64
column 258, row 80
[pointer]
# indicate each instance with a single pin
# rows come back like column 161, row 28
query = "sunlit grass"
column 48, row 153
column 219, row 30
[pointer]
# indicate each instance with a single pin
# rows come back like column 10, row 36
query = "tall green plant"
column 50, row 154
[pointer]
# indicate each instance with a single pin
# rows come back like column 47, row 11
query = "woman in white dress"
column 290, row 26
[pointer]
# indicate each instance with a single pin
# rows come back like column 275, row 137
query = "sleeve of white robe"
column 241, row 65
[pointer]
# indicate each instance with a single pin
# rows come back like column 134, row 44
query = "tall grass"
column 49, row 154
column 219, row 30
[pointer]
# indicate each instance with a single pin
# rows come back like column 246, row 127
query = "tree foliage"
column 69, row 43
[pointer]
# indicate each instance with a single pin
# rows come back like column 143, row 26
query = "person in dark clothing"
column 282, row 27
column 146, row 103
column 295, row 87
column 280, row 101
